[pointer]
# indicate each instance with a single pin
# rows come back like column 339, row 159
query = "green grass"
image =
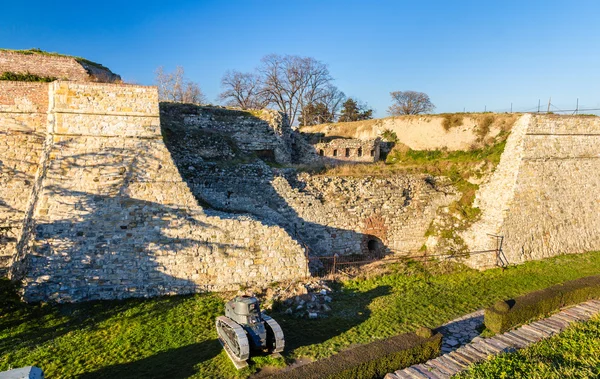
column 574, row 353
column 174, row 336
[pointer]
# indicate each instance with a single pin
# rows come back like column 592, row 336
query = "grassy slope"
column 174, row 337
column 575, row 353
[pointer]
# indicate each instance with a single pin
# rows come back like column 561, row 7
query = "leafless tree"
column 174, row 86
column 242, row 90
column 291, row 82
column 410, row 102
column 333, row 98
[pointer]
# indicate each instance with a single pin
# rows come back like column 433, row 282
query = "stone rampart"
column 110, row 216
column 543, row 198
column 60, row 67
column 23, row 117
column 265, row 133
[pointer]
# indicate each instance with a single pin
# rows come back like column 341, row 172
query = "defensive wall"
column 105, row 194
column 54, row 66
column 103, row 211
column 544, row 197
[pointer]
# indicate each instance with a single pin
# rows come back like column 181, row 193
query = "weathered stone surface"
column 107, row 215
column 66, row 68
column 349, row 150
column 543, row 196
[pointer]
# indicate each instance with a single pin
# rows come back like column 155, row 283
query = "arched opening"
column 359, row 152
column 347, row 152
column 335, row 153
column 321, row 152
column 373, row 246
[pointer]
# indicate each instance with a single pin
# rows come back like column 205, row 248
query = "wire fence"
column 351, row 265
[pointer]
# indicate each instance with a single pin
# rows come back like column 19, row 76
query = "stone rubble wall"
column 23, row 118
column 347, row 150
column 332, row 215
column 66, row 68
column 547, row 200
column 254, row 131
column 112, row 217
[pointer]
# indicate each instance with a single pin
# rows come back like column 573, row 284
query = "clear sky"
column 464, row 54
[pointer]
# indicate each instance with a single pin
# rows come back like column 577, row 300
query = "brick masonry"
column 65, row 68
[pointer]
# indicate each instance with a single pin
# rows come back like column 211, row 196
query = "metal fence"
column 351, row 265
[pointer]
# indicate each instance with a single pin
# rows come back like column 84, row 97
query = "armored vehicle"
column 244, row 329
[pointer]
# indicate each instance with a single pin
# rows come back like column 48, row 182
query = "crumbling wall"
column 112, row 217
column 60, row 67
column 349, row 150
column 331, row 215
column 23, row 116
column 265, row 133
column 543, row 198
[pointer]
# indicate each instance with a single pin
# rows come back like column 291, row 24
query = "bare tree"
column 291, row 82
column 333, row 98
column 176, row 87
column 242, row 90
column 410, row 102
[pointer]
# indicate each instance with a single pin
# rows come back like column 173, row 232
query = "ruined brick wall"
column 349, row 150
column 66, row 68
column 265, row 133
column 112, row 218
column 23, row 116
column 544, row 196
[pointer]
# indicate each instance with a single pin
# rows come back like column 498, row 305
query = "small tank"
column 245, row 329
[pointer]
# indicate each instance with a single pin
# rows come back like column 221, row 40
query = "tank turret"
column 244, row 328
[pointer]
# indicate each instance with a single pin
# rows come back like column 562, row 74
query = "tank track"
column 279, row 342
column 233, row 338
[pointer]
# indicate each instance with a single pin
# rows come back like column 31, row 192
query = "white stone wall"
column 112, row 218
column 544, row 196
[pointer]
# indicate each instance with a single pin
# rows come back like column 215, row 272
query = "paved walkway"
column 479, row 349
column 461, row 331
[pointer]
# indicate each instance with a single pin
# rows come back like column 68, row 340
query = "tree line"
column 301, row 87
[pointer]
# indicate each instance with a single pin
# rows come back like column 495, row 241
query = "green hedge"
column 506, row 314
column 372, row 360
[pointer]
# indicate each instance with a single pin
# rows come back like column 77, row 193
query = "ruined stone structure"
column 60, row 67
column 349, row 150
column 544, row 196
column 105, row 194
column 265, row 133
column 100, row 211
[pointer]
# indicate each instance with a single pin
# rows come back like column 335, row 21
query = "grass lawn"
column 174, row 337
column 574, row 353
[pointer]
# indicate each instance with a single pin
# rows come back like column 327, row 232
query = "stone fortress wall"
column 265, row 133
column 544, row 197
column 23, row 118
column 109, row 216
column 61, row 67
column 104, row 194
column 349, row 150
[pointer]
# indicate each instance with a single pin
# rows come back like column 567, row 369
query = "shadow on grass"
column 350, row 309
column 173, row 363
column 39, row 323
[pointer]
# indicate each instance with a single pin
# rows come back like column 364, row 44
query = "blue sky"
column 464, row 54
